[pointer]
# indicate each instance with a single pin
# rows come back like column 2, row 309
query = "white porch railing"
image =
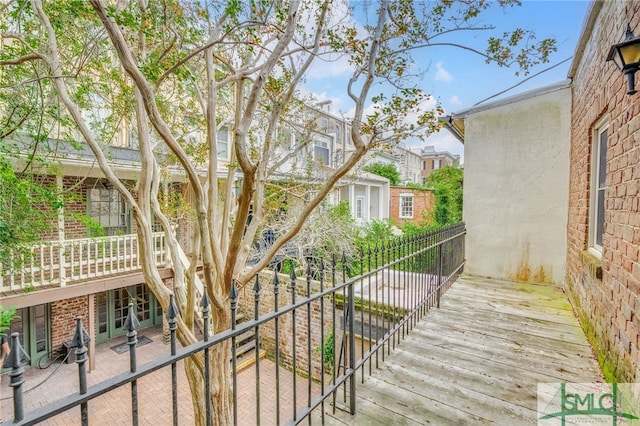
column 55, row 263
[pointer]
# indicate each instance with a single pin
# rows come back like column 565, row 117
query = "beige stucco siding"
column 516, row 188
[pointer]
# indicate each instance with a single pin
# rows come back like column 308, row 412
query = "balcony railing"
column 56, row 263
column 339, row 319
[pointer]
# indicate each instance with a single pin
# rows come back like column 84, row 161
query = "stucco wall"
column 516, row 188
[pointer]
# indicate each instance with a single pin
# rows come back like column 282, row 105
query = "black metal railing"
column 319, row 330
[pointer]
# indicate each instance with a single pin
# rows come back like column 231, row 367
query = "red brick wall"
column 246, row 306
column 75, row 193
column 606, row 292
column 75, row 205
column 428, row 164
column 63, row 319
column 423, row 202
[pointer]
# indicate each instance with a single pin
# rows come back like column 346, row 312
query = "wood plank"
column 415, row 405
column 549, row 327
column 441, row 391
column 502, row 364
column 513, row 326
column 478, row 359
column 510, row 355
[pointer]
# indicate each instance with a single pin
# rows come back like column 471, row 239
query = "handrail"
column 56, row 263
column 418, row 270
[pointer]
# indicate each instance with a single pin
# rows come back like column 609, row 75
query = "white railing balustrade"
column 56, row 263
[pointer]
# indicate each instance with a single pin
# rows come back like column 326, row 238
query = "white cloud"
column 371, row 109
column 336, row 102
column 442, row 74
column 455, row 101
column 426, row 105
column 328, row 66
column 445, row 141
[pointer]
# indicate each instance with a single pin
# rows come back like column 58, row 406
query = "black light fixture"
column 626, row 55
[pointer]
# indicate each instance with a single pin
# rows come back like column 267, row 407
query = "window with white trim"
column 436, row 164
column 598, row 185
column 223, row 143
column 108, row 208
column 406, row 206
column 321, row 150
column 359, row 208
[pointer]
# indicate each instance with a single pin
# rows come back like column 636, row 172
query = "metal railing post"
column 205, row 305
column 172, row 314
column 352, row 350
column 276, row 303
column 130, row 325
column 256, row 316
column 233, row 300
column 439, row 269
column 80, row 339
column 14, row 361
column 293, row 278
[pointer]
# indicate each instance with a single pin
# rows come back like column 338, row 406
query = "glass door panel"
column 143, row 305
column 120, row 308
column 102, row 317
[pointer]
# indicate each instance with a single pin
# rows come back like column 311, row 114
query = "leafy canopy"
column 447, row 183
column 388, row 171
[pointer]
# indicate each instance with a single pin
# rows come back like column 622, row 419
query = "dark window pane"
column 600, row 216
column 143, row 303
column 322, row 154
column 41, row 328
column 101, row 308
column 19, row 321
column 109, row 209
column 602, row 166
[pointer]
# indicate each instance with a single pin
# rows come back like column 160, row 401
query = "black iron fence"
column 311, row 335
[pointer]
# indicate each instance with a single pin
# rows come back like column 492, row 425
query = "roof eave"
column 587, row 30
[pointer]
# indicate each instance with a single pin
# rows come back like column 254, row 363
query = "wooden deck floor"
column 477, row 359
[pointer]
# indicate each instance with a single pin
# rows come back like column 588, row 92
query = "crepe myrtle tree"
column 176, row 72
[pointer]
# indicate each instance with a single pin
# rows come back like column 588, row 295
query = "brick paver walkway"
column 154, row 391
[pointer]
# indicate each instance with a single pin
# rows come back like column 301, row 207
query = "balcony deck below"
column 477, row 360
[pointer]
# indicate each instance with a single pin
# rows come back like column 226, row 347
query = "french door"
column 34, row 327
column 112, row 308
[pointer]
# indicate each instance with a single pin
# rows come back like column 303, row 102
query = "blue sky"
column 460, row 79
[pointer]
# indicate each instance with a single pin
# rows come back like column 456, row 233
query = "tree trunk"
column 221, row 403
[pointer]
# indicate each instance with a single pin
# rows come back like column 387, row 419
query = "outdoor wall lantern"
column 626, row 55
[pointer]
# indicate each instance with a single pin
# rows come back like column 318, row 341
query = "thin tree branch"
column 22, row 59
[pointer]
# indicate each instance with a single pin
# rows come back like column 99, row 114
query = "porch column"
column 381, row 201
column 352, row 200
column 61, row 235
column 367, row 196
column 92, row 332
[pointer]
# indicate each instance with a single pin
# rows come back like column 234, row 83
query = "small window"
column 324, row 124
column 108, row 208
column 598, row 186
column 223, row 143
column 406, row 206
column 436, row 164
column 359, row 208
column 321, row 151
